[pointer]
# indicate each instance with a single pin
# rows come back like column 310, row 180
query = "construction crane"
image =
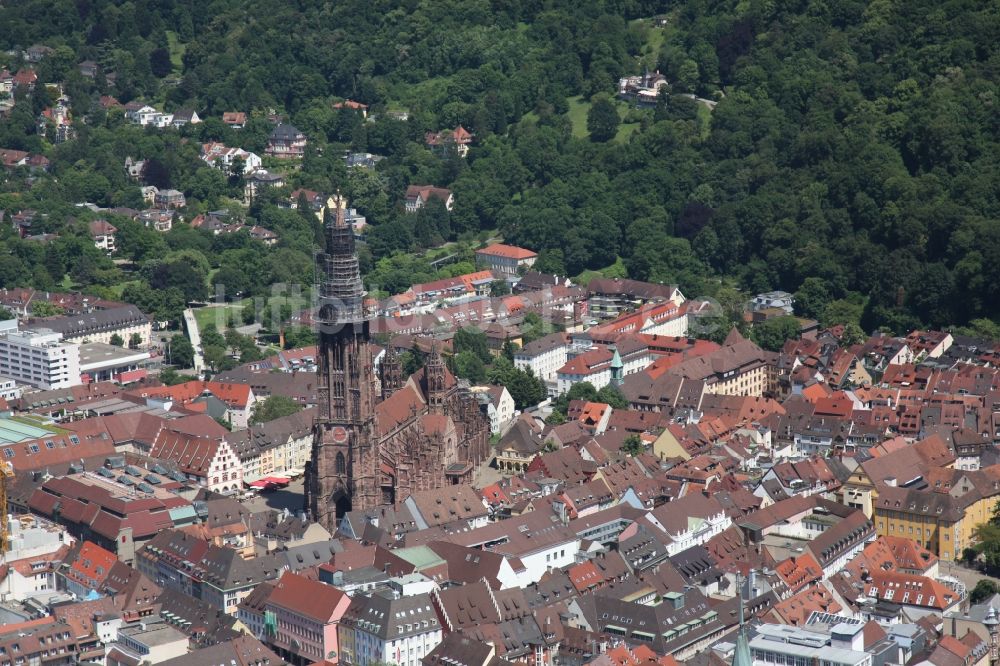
column 7, row 472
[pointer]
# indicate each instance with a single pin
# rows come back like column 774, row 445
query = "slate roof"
column 240, row 651
column 285, row 132
column 392, row 619
column 98, row 321
column 205, row 623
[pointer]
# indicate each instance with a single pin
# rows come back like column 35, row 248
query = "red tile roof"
column 507, row 252
column 193, row 455
column 234, row 395
column 311, row 598
column 585, row 576
column 796, row 609
column 91, row 566
column 102, row 228
column 798, row 572
column 88, row 438
column 910, row 589
column 350, row 104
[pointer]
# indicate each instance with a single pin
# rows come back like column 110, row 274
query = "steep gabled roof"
column 313, row 599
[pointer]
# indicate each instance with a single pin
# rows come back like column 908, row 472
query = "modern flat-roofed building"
column 144, row 642
column 40, row 358
column 781, row 644
column 9, row 390
column 100, row 362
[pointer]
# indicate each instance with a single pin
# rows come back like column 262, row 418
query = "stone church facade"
column 420, row 433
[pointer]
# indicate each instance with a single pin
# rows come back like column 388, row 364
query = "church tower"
column 391, row 372
column 435, row 374
column 342, row 473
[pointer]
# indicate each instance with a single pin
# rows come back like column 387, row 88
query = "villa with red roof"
column 446, row 141
column 505, row 259
column 351, row 105
column 417, row 197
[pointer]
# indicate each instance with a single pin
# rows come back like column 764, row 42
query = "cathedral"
column 372, row 447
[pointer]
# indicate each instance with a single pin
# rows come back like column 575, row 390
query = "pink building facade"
column 306, row 614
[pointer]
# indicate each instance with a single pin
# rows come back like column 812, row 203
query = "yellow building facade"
column 943, row 524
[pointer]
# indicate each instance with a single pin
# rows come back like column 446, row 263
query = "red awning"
column 277, row 480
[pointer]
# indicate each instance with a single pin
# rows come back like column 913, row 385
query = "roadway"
column 191, row 326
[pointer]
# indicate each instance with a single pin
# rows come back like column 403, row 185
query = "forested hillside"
column 852, row 157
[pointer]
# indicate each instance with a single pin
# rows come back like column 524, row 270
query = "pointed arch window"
column 340, row 465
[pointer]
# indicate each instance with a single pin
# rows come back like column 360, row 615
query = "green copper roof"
column 616, row 360
column 741, row 655
column 421, row 557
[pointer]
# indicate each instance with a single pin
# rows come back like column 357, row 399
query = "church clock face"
column 339, row 434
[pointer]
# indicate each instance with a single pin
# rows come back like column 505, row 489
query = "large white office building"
column 40, row 358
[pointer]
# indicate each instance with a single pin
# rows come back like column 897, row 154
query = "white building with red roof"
column 103, row 233
column 221, row 156
column 450, row 140
column 209, row 461
column 417, row 197
column 505, row 259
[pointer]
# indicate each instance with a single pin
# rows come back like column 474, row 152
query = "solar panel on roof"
column 124, row 480
column 145, row 487
column 152, row 478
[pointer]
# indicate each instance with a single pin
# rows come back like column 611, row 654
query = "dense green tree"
column 230, row 281
column 632, row 445
column 411, row 362
column 472, row 340
column 524, row 387
column 812, row 298
column 180, row 274
column 499, row 288
column 170, row 377
column 273, row 407
column 299, row 336
column 40, row 308
column 468, row 365
column 984, row 589
column 159, row 62
column 180, row 352
column 771, row 334
column 613, row 396
column 602, row 119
